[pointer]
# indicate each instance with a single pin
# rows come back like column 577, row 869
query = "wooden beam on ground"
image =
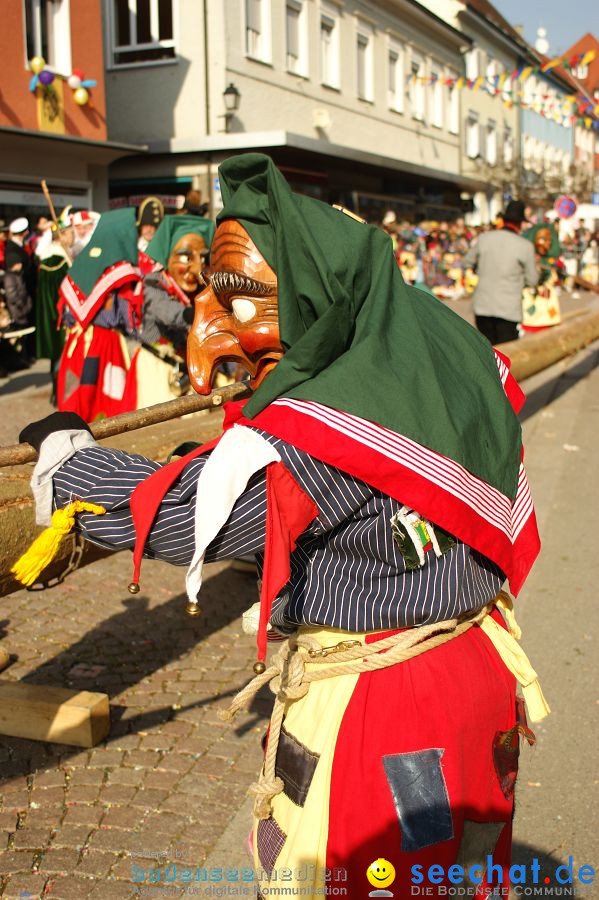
column 538, row 351
column 59, row 715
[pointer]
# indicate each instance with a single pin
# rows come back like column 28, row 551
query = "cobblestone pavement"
column 171, row 775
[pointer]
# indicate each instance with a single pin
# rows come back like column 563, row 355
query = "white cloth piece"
column 239, row 454
column 54, row 452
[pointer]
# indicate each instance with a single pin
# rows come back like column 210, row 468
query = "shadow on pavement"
column 25, row 380
column 562, row 382
column 131, row 645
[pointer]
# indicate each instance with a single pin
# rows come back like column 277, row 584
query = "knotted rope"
column 290, row 680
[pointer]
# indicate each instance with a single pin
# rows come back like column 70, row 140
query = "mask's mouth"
column 205, row 355
column 264, row 367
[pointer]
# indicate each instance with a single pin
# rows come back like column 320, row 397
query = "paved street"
column 171, row 777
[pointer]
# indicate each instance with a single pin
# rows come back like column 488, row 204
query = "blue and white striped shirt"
column 347, row 571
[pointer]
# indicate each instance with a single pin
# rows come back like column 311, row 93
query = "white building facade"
column 354, row 100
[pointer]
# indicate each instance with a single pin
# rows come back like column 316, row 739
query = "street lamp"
column 232, row 99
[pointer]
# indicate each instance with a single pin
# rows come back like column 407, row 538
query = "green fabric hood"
column 114, row 240
column 556, row 248
column 174, row 227
column 358, row 339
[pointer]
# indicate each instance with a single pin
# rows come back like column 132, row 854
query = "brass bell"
column 133, row 588
column 259, row 667
column 192, row 609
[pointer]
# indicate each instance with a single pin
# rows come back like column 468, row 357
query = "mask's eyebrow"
column 235, row 282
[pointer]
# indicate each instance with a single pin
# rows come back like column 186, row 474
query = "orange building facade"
column 45, row 132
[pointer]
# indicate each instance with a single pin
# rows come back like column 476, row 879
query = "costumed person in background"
column 84, row 224
column 589, row 261
column 55, row 260
column 395, row 729
column 180, row 247
column 191, row 204
column 389, row 226
column 505, row 264
column 21, row 275
column 149, row 216
column 101, row 300
column 540, row 305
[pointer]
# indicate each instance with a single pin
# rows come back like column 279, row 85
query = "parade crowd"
column 112, row 314
column 431, row 254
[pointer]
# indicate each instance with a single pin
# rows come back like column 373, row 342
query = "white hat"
column 18, row 226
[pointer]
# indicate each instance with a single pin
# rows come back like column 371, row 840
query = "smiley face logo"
column 381, row 873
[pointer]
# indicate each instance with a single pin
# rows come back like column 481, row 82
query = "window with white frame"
column 48, row 32
column 436, row 98
column 142, row 31
column 530, row 90
column 491, row 142
column 528, row 151
column 581, row 72
column 471, row 60
column 476, row 63
column 491, row 70
column 508, row 146
column 364, row 78
column 539, row 156
column 395, row 77
column 257, row 29
column 472, row 135
column 297, row 37
column 329, row 45
column 417, row 86
column 454, row 104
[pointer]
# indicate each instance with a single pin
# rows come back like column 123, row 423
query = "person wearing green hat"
column 540, row 305
column 126, row 310
column 179, row 249
column 376, row 473
column 55, row 261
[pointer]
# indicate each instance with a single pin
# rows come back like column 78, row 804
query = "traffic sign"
column 565, row 206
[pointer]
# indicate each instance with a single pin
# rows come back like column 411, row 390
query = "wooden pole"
column 587, row 285
column 18, row 454
column 536, row 352
column 529, row 355
column 54, row 219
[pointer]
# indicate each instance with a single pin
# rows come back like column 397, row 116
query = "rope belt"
column 289, row 680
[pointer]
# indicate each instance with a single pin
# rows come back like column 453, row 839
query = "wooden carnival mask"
column 543, row 241
column 186, row 261
column 236, row 314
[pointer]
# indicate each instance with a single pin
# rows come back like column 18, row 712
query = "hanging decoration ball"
column 74, row 82
column 37, row 64
column 81, row 96
column 46, row 77
column 78, row 73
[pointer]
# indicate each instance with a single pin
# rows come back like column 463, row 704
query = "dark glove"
column 38, row 431
column 188, row 314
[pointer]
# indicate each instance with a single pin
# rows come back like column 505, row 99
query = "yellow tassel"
column 506, row 604
column 536, row 704
column 519, row 665
column 43, row 550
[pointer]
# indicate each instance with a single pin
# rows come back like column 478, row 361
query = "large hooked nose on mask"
column 236, row 314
